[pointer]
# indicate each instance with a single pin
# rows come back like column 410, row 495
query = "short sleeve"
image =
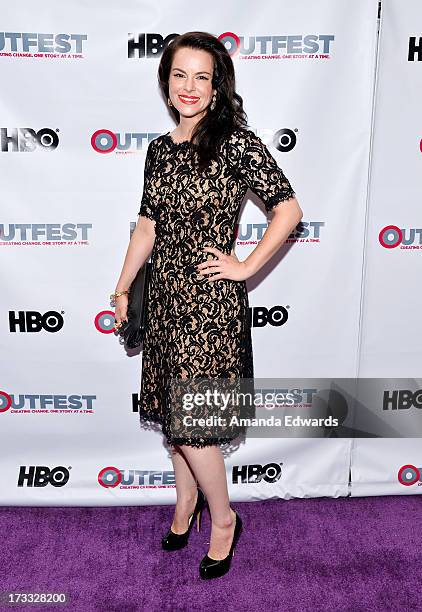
column 148, row 206
column 250, row 158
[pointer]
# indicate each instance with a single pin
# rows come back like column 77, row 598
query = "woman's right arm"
column 138, row 251
column 143, row 236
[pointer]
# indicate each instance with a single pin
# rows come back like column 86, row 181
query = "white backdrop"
column 80, row 104
column 391, row 333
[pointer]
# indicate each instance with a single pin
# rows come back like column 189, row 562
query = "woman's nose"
column 190, row 84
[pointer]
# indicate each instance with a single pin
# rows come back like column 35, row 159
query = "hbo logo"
column 270, row 472
column 261, row 316
column 27, row 139
column 41, row 476
column 32, row 321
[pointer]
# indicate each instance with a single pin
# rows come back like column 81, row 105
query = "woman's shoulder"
column 243, row 138
column 241, row 145
column 155, row 146
column 157, row 141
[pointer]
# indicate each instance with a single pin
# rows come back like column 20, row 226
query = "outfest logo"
column 104, row 321
column 392, row 237
column 409, row 475
column 42, row 45
column 254, row 47
column 112, row 477
column 283, row 46
column 305, row 231
column 31, row 403
column 121, row 143
column 44, row 234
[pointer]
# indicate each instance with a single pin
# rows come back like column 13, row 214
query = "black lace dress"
column 198, row 328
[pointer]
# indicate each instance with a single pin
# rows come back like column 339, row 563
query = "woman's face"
column 190, row 88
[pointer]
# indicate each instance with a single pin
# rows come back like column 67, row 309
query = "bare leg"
column 208, row 466
column 186, row 491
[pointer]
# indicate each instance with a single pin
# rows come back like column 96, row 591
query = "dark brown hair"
column 228, row 113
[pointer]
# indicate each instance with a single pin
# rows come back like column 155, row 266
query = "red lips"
column 188, row 99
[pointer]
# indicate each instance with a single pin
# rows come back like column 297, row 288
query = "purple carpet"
column 354, row 554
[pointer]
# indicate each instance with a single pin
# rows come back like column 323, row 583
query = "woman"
column 195, row 179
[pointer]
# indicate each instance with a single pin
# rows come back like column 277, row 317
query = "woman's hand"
column 120, row 312
column 225, row 266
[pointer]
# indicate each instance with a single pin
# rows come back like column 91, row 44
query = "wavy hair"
column 228, row 113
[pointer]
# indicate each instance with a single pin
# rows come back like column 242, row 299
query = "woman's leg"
column 208, row 466
column 186, row 491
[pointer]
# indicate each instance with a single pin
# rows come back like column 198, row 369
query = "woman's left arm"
column 286, row 216
column 253, row 163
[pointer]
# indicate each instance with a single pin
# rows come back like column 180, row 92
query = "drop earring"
column 169, row 102
column 212, row 106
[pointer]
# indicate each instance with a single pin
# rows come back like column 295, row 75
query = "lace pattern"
column 198, row 328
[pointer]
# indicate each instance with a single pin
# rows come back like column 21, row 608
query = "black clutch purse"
column 133, row 330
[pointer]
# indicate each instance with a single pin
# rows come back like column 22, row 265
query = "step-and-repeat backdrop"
column 391, row 333
column 79, row 104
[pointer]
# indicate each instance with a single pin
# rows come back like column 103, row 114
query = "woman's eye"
column 201, row 76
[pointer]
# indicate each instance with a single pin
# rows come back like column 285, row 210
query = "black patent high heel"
column 176, row 541
column 214, row 568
